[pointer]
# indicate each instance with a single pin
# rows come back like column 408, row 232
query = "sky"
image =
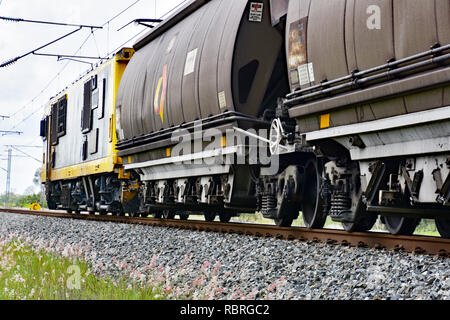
column 27, row 85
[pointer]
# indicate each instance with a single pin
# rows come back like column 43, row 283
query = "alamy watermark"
column 74, row 280
column 374, row 19
column 212, row 147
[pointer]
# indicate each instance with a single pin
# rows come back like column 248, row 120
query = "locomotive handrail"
column 229, row 116
column 357, row 75
column 358, row 83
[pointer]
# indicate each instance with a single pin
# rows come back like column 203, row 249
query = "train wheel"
column 134, row 214
column 400, row 225
column 284, row 222
column 117, row 209
column 144, row 214
column 168, row 214
column 364, row 220
column 225, row 217
column 103, row 212
column 157, row 215
column 184, row 216
column 314, row 216
column 52, row 205
column 443, row 226
column 210, row 216
column 363, row 225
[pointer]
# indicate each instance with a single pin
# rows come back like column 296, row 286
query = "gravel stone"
column 203, row 265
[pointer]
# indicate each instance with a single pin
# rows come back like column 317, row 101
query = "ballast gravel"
column 201, row 265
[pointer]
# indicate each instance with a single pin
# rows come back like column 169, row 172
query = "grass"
column 29, row 275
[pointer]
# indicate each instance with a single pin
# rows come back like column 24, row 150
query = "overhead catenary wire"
column 10, row 19
column 63, row 68
column 146, row 28
column 49, row 83
column 14, row 60
column 26, row 154
column 82, row 45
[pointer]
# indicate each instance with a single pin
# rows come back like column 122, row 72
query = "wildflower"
column 205, row 265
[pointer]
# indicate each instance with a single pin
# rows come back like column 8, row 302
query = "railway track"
column 377, row 240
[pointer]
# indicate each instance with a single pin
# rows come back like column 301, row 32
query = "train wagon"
column 81, row 170
column 349, row 100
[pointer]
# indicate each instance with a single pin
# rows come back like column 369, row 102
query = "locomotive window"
column 95, row 94
column 93, row 141
column 62, row 116
column 54, row 124
column 246, row 77
column 44, row 127
column 84, row 148
column 86, row 116
column 94, row 82
column 101, row 109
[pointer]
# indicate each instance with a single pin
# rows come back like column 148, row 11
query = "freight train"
column 321, row 108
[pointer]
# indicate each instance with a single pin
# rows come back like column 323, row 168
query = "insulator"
column 9, row 19
column 8, row 63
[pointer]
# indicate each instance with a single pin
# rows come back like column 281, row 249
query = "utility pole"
column 8, row 178
column 9, row 169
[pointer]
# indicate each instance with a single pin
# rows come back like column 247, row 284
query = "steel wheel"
column 313, row 204
column 184, row 215
column 157, row 215
column 210, row 216
column 363, row 225
column 443, row 226
column 52, row 205
column 134, row 214
column 401, row 226
column 284, row 222
column 168, row 214
column 117, row 209
column 225, row 217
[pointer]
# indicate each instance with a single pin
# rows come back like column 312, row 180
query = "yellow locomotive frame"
column 110, row 163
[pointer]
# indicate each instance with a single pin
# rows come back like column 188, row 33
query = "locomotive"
column 354, row 97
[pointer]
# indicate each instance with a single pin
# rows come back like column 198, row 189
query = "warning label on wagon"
column 256, row 11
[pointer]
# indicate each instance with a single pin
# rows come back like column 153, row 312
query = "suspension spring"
column 340, row 202
column 269, row 203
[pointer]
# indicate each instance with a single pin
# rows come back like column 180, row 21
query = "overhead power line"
column 4, row 133
column 14, row 60
column 21, row 146
column 60, row 56
column 26, row 154
column 82, row 45
column 143, row 22
column 48, row 22
column 63, row 68
column 45, row 88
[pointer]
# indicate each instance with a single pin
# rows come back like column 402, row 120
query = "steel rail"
column 377, row 240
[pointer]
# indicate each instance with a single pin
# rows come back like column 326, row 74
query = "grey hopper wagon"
column 364, row 131
column 219, row 61
column 370, row 91
column 205, row 61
